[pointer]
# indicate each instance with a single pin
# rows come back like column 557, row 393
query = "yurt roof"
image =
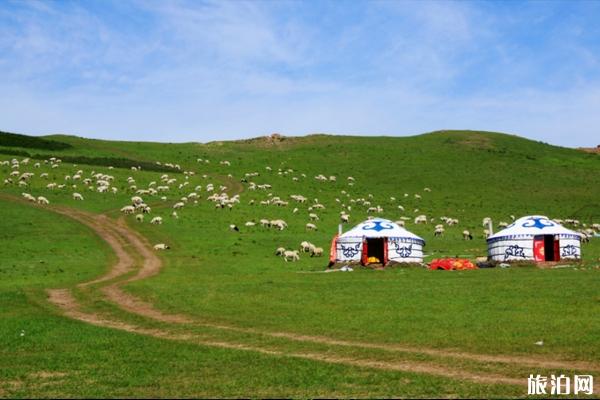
column 379, row 227
column 532, row 225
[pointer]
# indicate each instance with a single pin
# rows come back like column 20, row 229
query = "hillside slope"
column 471, row 170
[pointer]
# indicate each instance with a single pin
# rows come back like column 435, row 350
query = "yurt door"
column 539, row 253
column 385, row 251
column 556, row 250
column 365, row 253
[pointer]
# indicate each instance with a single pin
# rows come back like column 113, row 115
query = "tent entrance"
column 546, row 248
column 376, row 248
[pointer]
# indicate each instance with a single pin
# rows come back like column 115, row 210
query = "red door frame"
column 385, row 251
column 365, row 253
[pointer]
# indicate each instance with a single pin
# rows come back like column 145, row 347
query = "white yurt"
column 536, row 238
column 379, row 239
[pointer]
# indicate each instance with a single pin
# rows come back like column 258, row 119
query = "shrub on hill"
column 16, row 140
column 101, row 161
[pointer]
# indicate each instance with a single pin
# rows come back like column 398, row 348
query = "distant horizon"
column 210, row 70
column 299, row 136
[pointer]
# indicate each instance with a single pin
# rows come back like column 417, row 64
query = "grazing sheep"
column 316, row 252
column 42, row 200
column 139, row 218
column 250, row 223
column 313, row 217
column 161, row 246
column 467, row 235
column 29, row 197
column 234, row 227
column 345, row 218
column 279, row 224
column 439, row 231
column 421, row 219
column 128, row 210
column 77, row 196
column 136, row 200
column 291, row 255
column 279, row 251
column 305, row 246
column 311, row 227
column 156, row 221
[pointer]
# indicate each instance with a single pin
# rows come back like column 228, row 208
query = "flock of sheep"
column 178, row 194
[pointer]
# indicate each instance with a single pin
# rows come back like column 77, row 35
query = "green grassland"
column 226, row 277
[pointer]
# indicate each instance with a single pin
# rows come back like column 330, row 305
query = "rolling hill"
column 218, row 314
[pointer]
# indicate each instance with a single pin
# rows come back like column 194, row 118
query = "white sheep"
column 161, row 246
column 313, row 217
column 77, row 196
column 139, row 217
column 279, row 251
column 128, row 210
column 421, row 219
column 467, row 235
column 316, row 252
column 311, row 227
column 156, row 221
column 305, row 246
column 42, row 200
column 291, row 255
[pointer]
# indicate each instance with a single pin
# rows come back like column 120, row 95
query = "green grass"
column 234, row 278
column 45, row 355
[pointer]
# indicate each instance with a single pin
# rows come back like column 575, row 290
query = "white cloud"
column 201, row 71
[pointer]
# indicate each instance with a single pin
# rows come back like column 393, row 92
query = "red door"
column 365, row 253
column 556, row 250
column 538, row 248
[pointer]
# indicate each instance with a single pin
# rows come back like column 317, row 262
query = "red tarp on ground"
column 451, row 263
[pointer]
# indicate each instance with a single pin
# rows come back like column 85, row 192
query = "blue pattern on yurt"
column 514, row 251
column 569, row 251
column 349, row 251
column 378, row 226
column 537, row 222
column 404, row 252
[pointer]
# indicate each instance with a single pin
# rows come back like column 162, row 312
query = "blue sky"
column 200, row 71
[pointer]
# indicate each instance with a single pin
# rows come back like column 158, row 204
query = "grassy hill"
column 233, row 278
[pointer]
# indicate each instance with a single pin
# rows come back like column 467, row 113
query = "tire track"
column 64, row 299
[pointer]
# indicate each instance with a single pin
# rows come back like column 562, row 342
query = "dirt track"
column 137, row 260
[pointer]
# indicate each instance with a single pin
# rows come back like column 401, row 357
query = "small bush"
column 16, row 140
